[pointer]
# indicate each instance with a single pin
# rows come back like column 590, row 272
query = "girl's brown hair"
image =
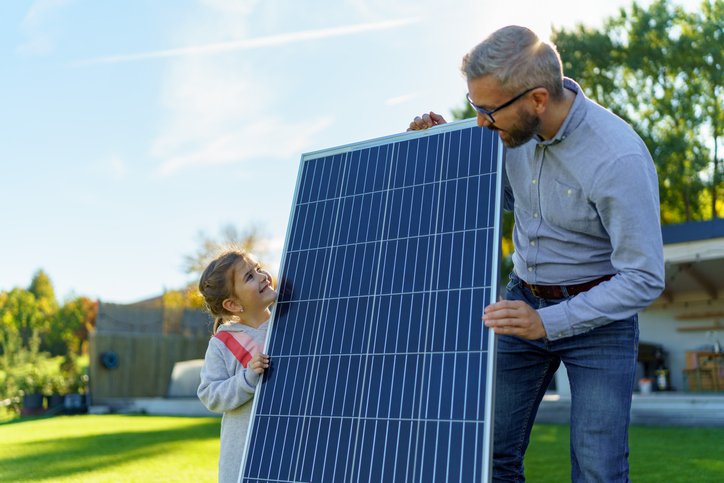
column 217, row 282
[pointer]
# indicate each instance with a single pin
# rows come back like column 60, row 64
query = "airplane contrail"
column 248, row 44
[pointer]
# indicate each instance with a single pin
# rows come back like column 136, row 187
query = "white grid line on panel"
column 373, row 418
column 312, row 371
column 429, row 307
column 402, row 238
column 390, row 156
column 398, row 188
column 336, row 452
column 391, row 294
column 382, row 354
column 266, row 432
column 394, row 363
column 437, row 440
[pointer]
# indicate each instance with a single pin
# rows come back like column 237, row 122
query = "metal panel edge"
column 255, row 400
column 450, row 126
column 492, row 337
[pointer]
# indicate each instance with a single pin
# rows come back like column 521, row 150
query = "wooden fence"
column 145, row 342
column 145, row 362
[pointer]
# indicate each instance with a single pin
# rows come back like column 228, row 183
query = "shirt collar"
column 574, row 117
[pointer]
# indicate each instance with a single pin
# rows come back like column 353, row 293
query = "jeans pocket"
column 513, row 283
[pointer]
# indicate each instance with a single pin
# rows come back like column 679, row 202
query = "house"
column 679, row 335
column 688, row 317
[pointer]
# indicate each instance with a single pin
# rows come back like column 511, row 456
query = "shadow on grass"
column 23, row 419
column 66, row 456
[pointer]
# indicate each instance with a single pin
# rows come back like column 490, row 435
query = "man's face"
column 516, row 124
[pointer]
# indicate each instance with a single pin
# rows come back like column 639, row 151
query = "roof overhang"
column 694, row 270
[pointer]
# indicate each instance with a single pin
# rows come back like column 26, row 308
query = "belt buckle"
column 536, row 292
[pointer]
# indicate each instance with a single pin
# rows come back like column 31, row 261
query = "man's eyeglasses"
column 488, row 115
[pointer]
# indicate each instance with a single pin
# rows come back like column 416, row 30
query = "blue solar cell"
column 379, row 356
column 452, row 156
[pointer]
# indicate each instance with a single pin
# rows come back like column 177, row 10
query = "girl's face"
column 253, row 288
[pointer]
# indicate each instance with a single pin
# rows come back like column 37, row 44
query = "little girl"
column 238, row 293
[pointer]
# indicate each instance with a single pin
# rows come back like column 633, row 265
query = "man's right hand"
column 425, row 121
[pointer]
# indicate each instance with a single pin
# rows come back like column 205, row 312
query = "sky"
column 128, row 128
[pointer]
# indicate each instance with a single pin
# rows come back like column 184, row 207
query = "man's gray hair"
column 518, row 60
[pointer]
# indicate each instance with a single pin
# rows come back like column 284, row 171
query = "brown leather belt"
column 560, row 291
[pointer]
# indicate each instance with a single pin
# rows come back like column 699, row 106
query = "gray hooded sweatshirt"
column 227, row 386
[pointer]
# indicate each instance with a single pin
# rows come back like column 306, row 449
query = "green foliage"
column 662, row 70
column 20, row 314
column 26, row 370
column 40, row 343
column 70, row 326
column 465, row 112
column 42, row 288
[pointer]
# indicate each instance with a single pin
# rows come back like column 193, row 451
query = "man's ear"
column 232, row 305
column 540, row 98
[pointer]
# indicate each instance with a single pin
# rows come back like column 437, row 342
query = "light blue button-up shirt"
column 586, row 205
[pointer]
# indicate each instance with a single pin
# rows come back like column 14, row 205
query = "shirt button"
column 562, row 138
column 535, row 215
column 530, row 269
column 569, row 192
column 532, row 243
column 534, row 181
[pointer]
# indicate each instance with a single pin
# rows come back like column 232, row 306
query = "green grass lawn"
column 95, row 449
column 658, row 454
column 118, row 449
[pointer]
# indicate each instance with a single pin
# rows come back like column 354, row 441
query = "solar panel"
column 382, row 369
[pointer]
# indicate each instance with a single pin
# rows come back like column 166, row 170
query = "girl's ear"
column 232, row 305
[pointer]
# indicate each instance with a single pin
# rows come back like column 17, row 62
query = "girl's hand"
column 258, row 363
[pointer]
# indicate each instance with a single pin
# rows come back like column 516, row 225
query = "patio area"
column 655, row 409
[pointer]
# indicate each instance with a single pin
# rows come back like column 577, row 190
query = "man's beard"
column 522, row 131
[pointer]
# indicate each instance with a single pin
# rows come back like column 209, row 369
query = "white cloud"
column 40, row 38
column 404, row 98
column 255, row 140
column 224, row 110
column 112, row 166
column 218, row 114
column 117, row 167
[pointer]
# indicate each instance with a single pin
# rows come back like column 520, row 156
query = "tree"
column 252, row 240
column 20, row 314
column 42, row 288
column 70, row 326
column 661, row 70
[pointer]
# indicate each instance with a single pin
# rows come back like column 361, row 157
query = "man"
column 588, row 252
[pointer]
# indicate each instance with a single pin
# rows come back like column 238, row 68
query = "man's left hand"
column 514, row 317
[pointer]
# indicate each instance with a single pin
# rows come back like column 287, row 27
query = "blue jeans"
column 601, row 365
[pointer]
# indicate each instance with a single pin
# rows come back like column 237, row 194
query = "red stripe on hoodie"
column 240, row 344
